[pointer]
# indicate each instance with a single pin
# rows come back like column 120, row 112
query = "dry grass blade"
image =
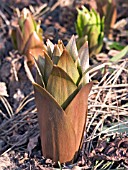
column 41, row 11
column 23, row 120
column 24, row 102
column 109, row 94
column 7, row 106
column 4, row 18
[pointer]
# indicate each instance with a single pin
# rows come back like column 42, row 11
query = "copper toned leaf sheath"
column 77, row 112
column 59, row 143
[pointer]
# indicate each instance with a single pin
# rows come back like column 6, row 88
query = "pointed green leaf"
column 93, row 19
column 82, row 20
column 92, row 26
column 38, row 30
column 55, row 128
column 60, row 85
column 67, row 64
column 120, row 55
column 102, row 23
column 116, row 45
column 84, row 9
column 93, row 40
column 100, row 42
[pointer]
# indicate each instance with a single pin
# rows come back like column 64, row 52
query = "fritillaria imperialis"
column 89, row 26
column 61, row 95
column 27, row 36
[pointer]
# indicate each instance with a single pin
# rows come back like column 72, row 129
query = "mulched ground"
column 106, row 141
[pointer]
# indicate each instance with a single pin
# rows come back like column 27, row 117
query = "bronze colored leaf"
column 48, row 67
column 72, row 49
column 67, row 64
column 57, row 51
column 28, row 28
column 77, row 112
column 34, row 42
column 41, row 63
column 57, row 134
column 39, row 75
column 84, row 61
column 33, row 52
column 60, row 85
column 56, row 54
